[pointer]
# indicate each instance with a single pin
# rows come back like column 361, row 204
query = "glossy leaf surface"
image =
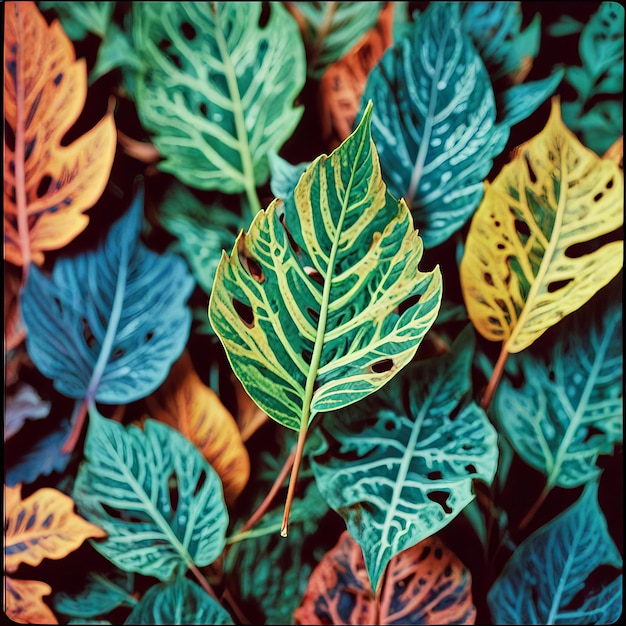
column 184, row 402
column 47, row 186
column 110, row 322
column 434, row 122
column 23, row 601
column 159, row 501
column 218, row 94
column 541, row 582
column 569, row 409
column 400, row 466
column 306, row 304
column 426, row 584
column 534, row 252
column 43, row 526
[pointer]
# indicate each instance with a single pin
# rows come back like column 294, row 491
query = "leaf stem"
column 535, row 507
column 304, row 428
column 201, row 579
column 496, row 375
column 77, row 420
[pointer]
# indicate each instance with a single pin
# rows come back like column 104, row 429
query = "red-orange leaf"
column 184, row 402
column 14, row 331
column 47, row 186
column 24, row 604
column 43, row 526
column 426, row 584
column 343, row 82
column 249, row 416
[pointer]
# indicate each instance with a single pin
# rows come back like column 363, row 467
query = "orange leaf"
column 184, row 402
column 343, row 82
column 249, row 416
column 14, row 331
column 425, row 584
column 44, row 526
column 47, row 186
column 24, row 604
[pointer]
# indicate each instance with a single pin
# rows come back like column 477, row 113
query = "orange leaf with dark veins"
column 47, row 186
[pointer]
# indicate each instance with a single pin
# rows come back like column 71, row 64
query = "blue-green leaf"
column 569, row 407
column 81, row 18
column 152, row 491
column 285, row 176
column 546, row 579
column 110, row 322
column 180, row 601
column 434, row 122
column 400, row 467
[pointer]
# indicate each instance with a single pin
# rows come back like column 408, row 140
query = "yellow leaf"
column 184, row 402
column 24, row 604
column 535, row 250
column 43, row 526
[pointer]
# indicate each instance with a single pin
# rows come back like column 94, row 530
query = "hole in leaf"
column 200, row 483
column 314, row 275
column 31, row 521
column 522, row 228
column 436, row 475
column 531, row 172
column 501, row 303
column 88, row 336
column 552, row 375
column 163, row 45
column 609, row 185
column 44, row 185
column 447, row 572
column 454, row 413
column 189, row 32
column 255, row 270
column 246, row 315
column 29, row 147
column 389, row 425
column 423, row 556
column 558, row 284
column 202, row 107
column 586, row 247
column 598, row 197
column 265, row 15
column 591, row 431
column 122, row 514
column 172, row 484
column 440, row 497
column 306, row 355
column 148, row 336
column 118, row 353
column 407, row 303
column 382, row 366
column 313, row 314
column 500, row 246
column 470, row 468
column 488, row 278
column 58, row 78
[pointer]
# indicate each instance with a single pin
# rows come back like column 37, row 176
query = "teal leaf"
column 100, row 595
column 218, row 89
column 81, row 18
column 110, row 322
column 434, row 123
column 400, row 467
column 154, row 494
column 284, row 175
column 569, row 407
column 116, row 51
column 180, row 601
column 546, row 579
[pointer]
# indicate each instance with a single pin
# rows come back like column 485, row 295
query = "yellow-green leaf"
column 535, row 250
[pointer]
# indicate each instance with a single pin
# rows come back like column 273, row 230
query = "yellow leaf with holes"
column 195, row 410
column 24, row 604
column 546, row 237
column 43, row 526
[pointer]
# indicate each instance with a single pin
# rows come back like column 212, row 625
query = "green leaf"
column 435, row 122
column 180, row 601
column 116, row 51
column 151, row 490
column 100, row 595
column 546, row 581
column 400, row 467
column 569, row 408
column 306, row 305
column 285, row 176
column 81, row 18
column 218, row 89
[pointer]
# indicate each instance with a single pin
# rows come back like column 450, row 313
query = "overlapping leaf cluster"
column 345, row 272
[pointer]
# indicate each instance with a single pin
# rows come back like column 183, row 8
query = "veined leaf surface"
column 159, row 501
column 217, row 91
column 47, row 186
column 306, row 304
column 24, row 603
column 522, row 270
column 100, row 327
column 435, row 121
column 541, row 580
column 426, row 584
column 400, row 467
column 569, row 409
column 43, row 526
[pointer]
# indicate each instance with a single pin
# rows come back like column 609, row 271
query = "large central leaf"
column 314, row 305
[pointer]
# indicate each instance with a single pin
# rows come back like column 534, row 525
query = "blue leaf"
column 434, row 122
column 546, row 579
column 109, row 323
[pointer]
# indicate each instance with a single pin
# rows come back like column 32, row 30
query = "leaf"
column 426, row 584
column 100, row 595
column 525, row 264
column 178, row 602
column 331, row 29
column 249, row 416
column 81, row 18
column 110, row 322
column 306, row 307
column 48, row 186
column 159, row 501
column 435, row 122
column 14, row 331
column 24, row 603
column 400, row 467
column 218, row 103
column 342, row 84
column 285, row 176
column 546, row 580
column 569, row 409
column 43, row 526
column 24, row 404
column 184, row 402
